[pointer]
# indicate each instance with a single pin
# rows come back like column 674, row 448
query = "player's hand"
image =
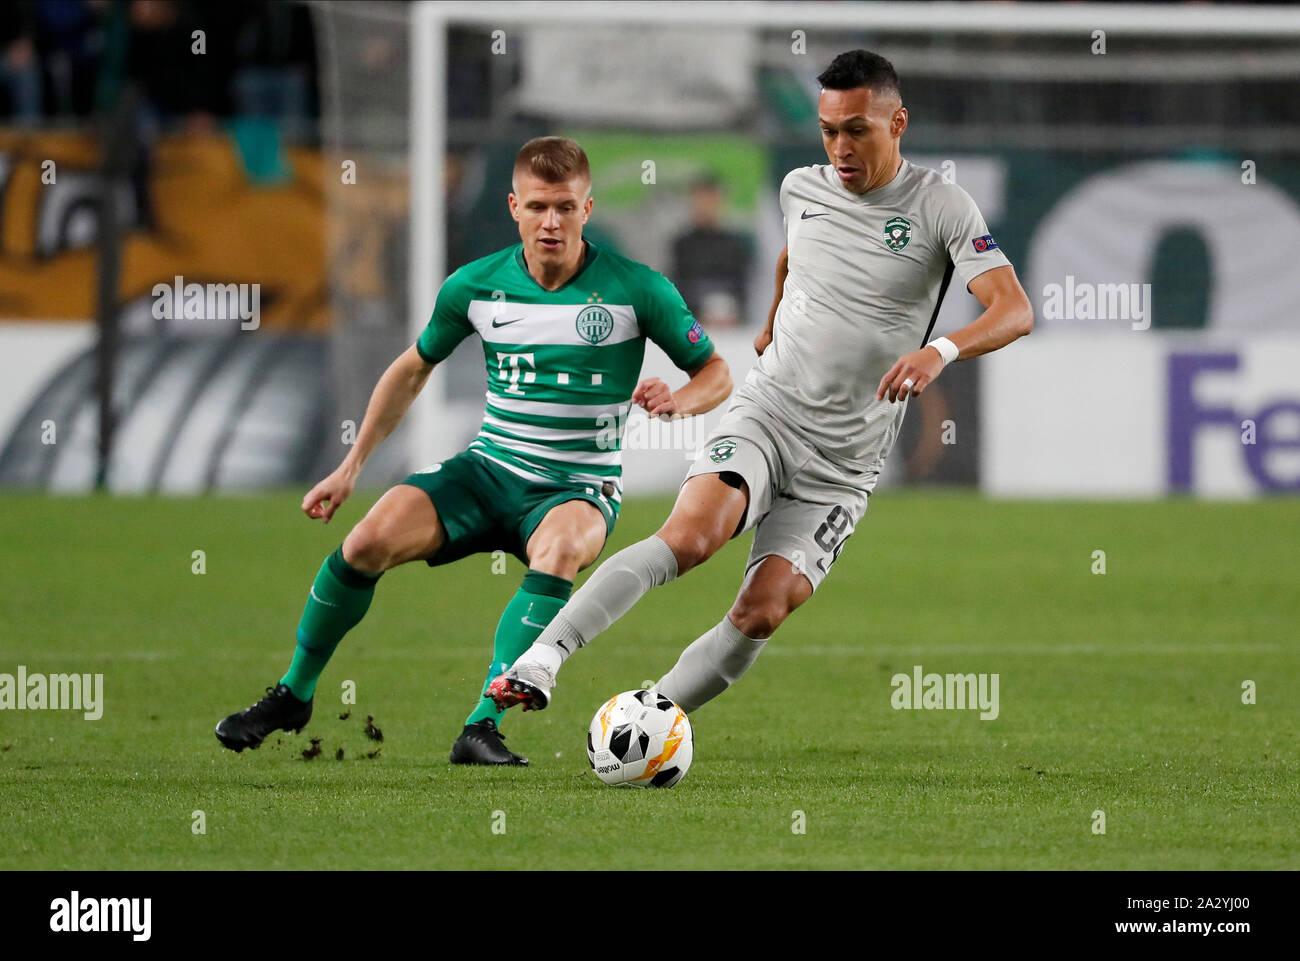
column 328, row 496
column 762, row 341
column 656, row 397
column 910, row 375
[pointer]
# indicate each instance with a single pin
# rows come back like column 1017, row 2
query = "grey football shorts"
column 802, row 507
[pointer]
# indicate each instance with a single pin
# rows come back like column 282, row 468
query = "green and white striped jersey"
column 561, row 364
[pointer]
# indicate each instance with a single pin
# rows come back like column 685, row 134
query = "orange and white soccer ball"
column 640, row 739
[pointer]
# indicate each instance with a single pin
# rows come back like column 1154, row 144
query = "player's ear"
column 513, row 203
column 586, row 207
column 899, row 123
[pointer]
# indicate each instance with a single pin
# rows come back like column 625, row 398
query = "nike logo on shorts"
column 807, row 216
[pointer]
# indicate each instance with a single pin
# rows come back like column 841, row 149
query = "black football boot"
column 482, row 743
column 278, row 711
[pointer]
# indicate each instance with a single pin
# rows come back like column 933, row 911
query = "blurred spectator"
column 276, row 54
column 66, row 39
column 20, row 75
column 710, row 263
column 161, row 49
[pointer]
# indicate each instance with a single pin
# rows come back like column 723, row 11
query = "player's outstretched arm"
column 398, row 387
column 709, row 386
column 1008, row 315
column 764, row 339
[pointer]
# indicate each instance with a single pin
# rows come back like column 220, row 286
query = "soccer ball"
column 640, row 739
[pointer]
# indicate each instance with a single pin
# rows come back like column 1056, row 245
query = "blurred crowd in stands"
column 62, row 61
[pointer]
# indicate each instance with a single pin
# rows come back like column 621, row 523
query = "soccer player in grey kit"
column 872, row 242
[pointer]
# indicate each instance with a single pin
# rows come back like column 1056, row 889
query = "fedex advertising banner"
column 1141, row 415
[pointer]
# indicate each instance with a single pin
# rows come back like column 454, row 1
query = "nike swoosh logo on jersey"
column 807, row 216
column 507, row 323
column 318, row 599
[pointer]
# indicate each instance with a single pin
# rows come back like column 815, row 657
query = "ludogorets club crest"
column 595, row 323
column 897, row 233
column 722, row 450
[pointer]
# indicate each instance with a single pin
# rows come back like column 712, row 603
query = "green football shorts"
column 484, row 507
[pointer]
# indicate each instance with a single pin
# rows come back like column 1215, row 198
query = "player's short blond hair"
column 553, row 159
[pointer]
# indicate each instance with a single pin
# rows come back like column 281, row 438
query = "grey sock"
column 609, row 594
column 710, row 665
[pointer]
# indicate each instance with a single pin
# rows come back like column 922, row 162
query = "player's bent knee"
column 770, row 594
column 561, row 556
column 691, row 547
column 759, row 617
column 365, row 550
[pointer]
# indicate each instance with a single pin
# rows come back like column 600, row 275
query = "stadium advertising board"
column 1142, row 415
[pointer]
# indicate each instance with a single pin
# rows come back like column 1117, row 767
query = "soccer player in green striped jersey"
column 563, row 325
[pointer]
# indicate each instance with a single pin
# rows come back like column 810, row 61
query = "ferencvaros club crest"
column 595, row 323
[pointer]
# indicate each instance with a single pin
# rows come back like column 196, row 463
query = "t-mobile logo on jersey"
column 513, row 369
column 508, row 366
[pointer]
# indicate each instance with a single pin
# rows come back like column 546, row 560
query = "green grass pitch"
column 1119, row 693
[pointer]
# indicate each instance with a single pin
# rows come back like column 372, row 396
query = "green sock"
column 538, row 599
column 338, row 600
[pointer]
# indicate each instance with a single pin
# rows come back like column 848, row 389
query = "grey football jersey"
column 867, row 274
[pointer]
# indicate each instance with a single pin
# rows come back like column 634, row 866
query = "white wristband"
column 946, row 348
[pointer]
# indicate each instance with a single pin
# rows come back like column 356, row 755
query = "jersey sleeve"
column 449, row 324
column 667, row 321
column 783, row 196
column 966, row 236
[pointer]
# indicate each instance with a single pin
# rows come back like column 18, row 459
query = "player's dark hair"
column 553, row 159
column 860, row 68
